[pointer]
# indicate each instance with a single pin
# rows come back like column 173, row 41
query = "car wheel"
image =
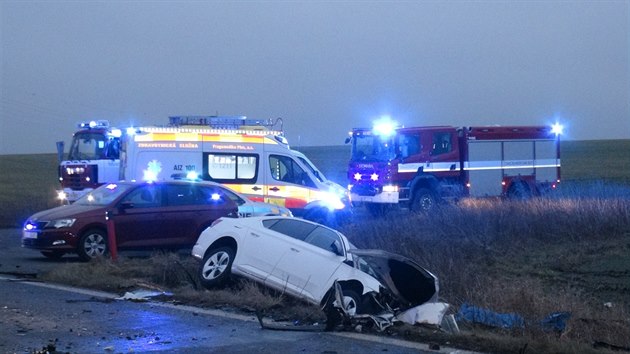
column 53, row 254
column 92, row 244
column 351, row 302
column 423, row 201
column 216, row 267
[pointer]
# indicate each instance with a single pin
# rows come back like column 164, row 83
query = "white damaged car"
column 310, row 261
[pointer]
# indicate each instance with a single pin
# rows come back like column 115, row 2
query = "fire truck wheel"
column 53, row 254
column 519, row 190
column 423, row 201
column 92, row 244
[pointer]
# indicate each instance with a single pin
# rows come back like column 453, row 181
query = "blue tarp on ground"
column 556, row 321
column 490, row 318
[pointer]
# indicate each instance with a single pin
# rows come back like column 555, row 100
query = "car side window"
column 291, row 227
column 326, row 239
column 441, row 143
column 177, row 194
column 147, row 196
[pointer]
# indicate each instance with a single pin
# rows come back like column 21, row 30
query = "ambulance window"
column 285, row 169
column 230, row 167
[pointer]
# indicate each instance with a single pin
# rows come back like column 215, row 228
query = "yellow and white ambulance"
column 246, row 155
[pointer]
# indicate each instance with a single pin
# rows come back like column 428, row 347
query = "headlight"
column 390, row 188
column 60, row 223
column 333, row 202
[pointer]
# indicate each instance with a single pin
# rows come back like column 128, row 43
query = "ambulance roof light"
column 557, row 128
column 94, row 124
column 223, row 122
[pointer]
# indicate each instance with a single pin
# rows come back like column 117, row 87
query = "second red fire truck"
column 420, row 166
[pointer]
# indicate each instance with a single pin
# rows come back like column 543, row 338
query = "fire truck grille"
column 365, row 190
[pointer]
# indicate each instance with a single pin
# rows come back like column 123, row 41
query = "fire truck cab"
column 420, row 166
column 242, row 154
column 92, row 160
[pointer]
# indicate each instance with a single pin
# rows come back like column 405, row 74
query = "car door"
column 262, row 248
column 288, row 184
column 188, row 209
column 137, row 216
column 309, row 265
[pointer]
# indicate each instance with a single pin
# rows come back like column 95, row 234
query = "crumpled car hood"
column 410, row 283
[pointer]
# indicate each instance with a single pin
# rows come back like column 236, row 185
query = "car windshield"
column 104, row 194
column 93, row 146
column 235, row 197
column 317, row 173
column 369, row 148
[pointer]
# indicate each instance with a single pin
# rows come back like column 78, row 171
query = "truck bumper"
column 385, row 197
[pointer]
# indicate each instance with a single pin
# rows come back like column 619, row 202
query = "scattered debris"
column 556, row 322
column 143, row 295
column 430, row 313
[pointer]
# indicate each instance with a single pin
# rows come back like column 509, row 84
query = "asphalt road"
column 34, row 315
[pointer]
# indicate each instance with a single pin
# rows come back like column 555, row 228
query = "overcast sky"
column 323, row 66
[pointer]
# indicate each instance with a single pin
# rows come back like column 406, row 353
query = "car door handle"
column 295, row 250
column 256, row 188
column 275, row 189
column 255, row 235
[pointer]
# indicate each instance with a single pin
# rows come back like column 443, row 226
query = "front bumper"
column 45, row 240
column 383, row 197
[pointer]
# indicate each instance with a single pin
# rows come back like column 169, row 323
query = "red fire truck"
column 93, row 159
column 420, row 166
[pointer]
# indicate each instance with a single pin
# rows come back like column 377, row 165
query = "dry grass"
column 565, row 253
column 532, row 258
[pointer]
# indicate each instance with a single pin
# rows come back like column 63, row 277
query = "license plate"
column 29, row 234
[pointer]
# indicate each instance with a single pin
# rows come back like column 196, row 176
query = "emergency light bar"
column 94, row 124
column 222, row 122
column 141, row 130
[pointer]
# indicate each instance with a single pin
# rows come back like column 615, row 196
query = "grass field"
column 567, row 253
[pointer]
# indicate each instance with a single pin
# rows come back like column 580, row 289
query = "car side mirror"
column 336, row 248
column 347, row 141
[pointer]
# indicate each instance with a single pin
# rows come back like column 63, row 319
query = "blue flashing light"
column 557, row 128
column 215, row 197
column 384, row 127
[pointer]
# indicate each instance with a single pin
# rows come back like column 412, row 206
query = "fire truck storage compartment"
column 484, row 173
column 546, row 161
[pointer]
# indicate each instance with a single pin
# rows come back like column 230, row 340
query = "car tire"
column 351, row 302
column 53, row 254
column 216, row 267
column 92, row 244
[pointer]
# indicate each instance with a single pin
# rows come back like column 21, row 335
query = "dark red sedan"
column 154, row 215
